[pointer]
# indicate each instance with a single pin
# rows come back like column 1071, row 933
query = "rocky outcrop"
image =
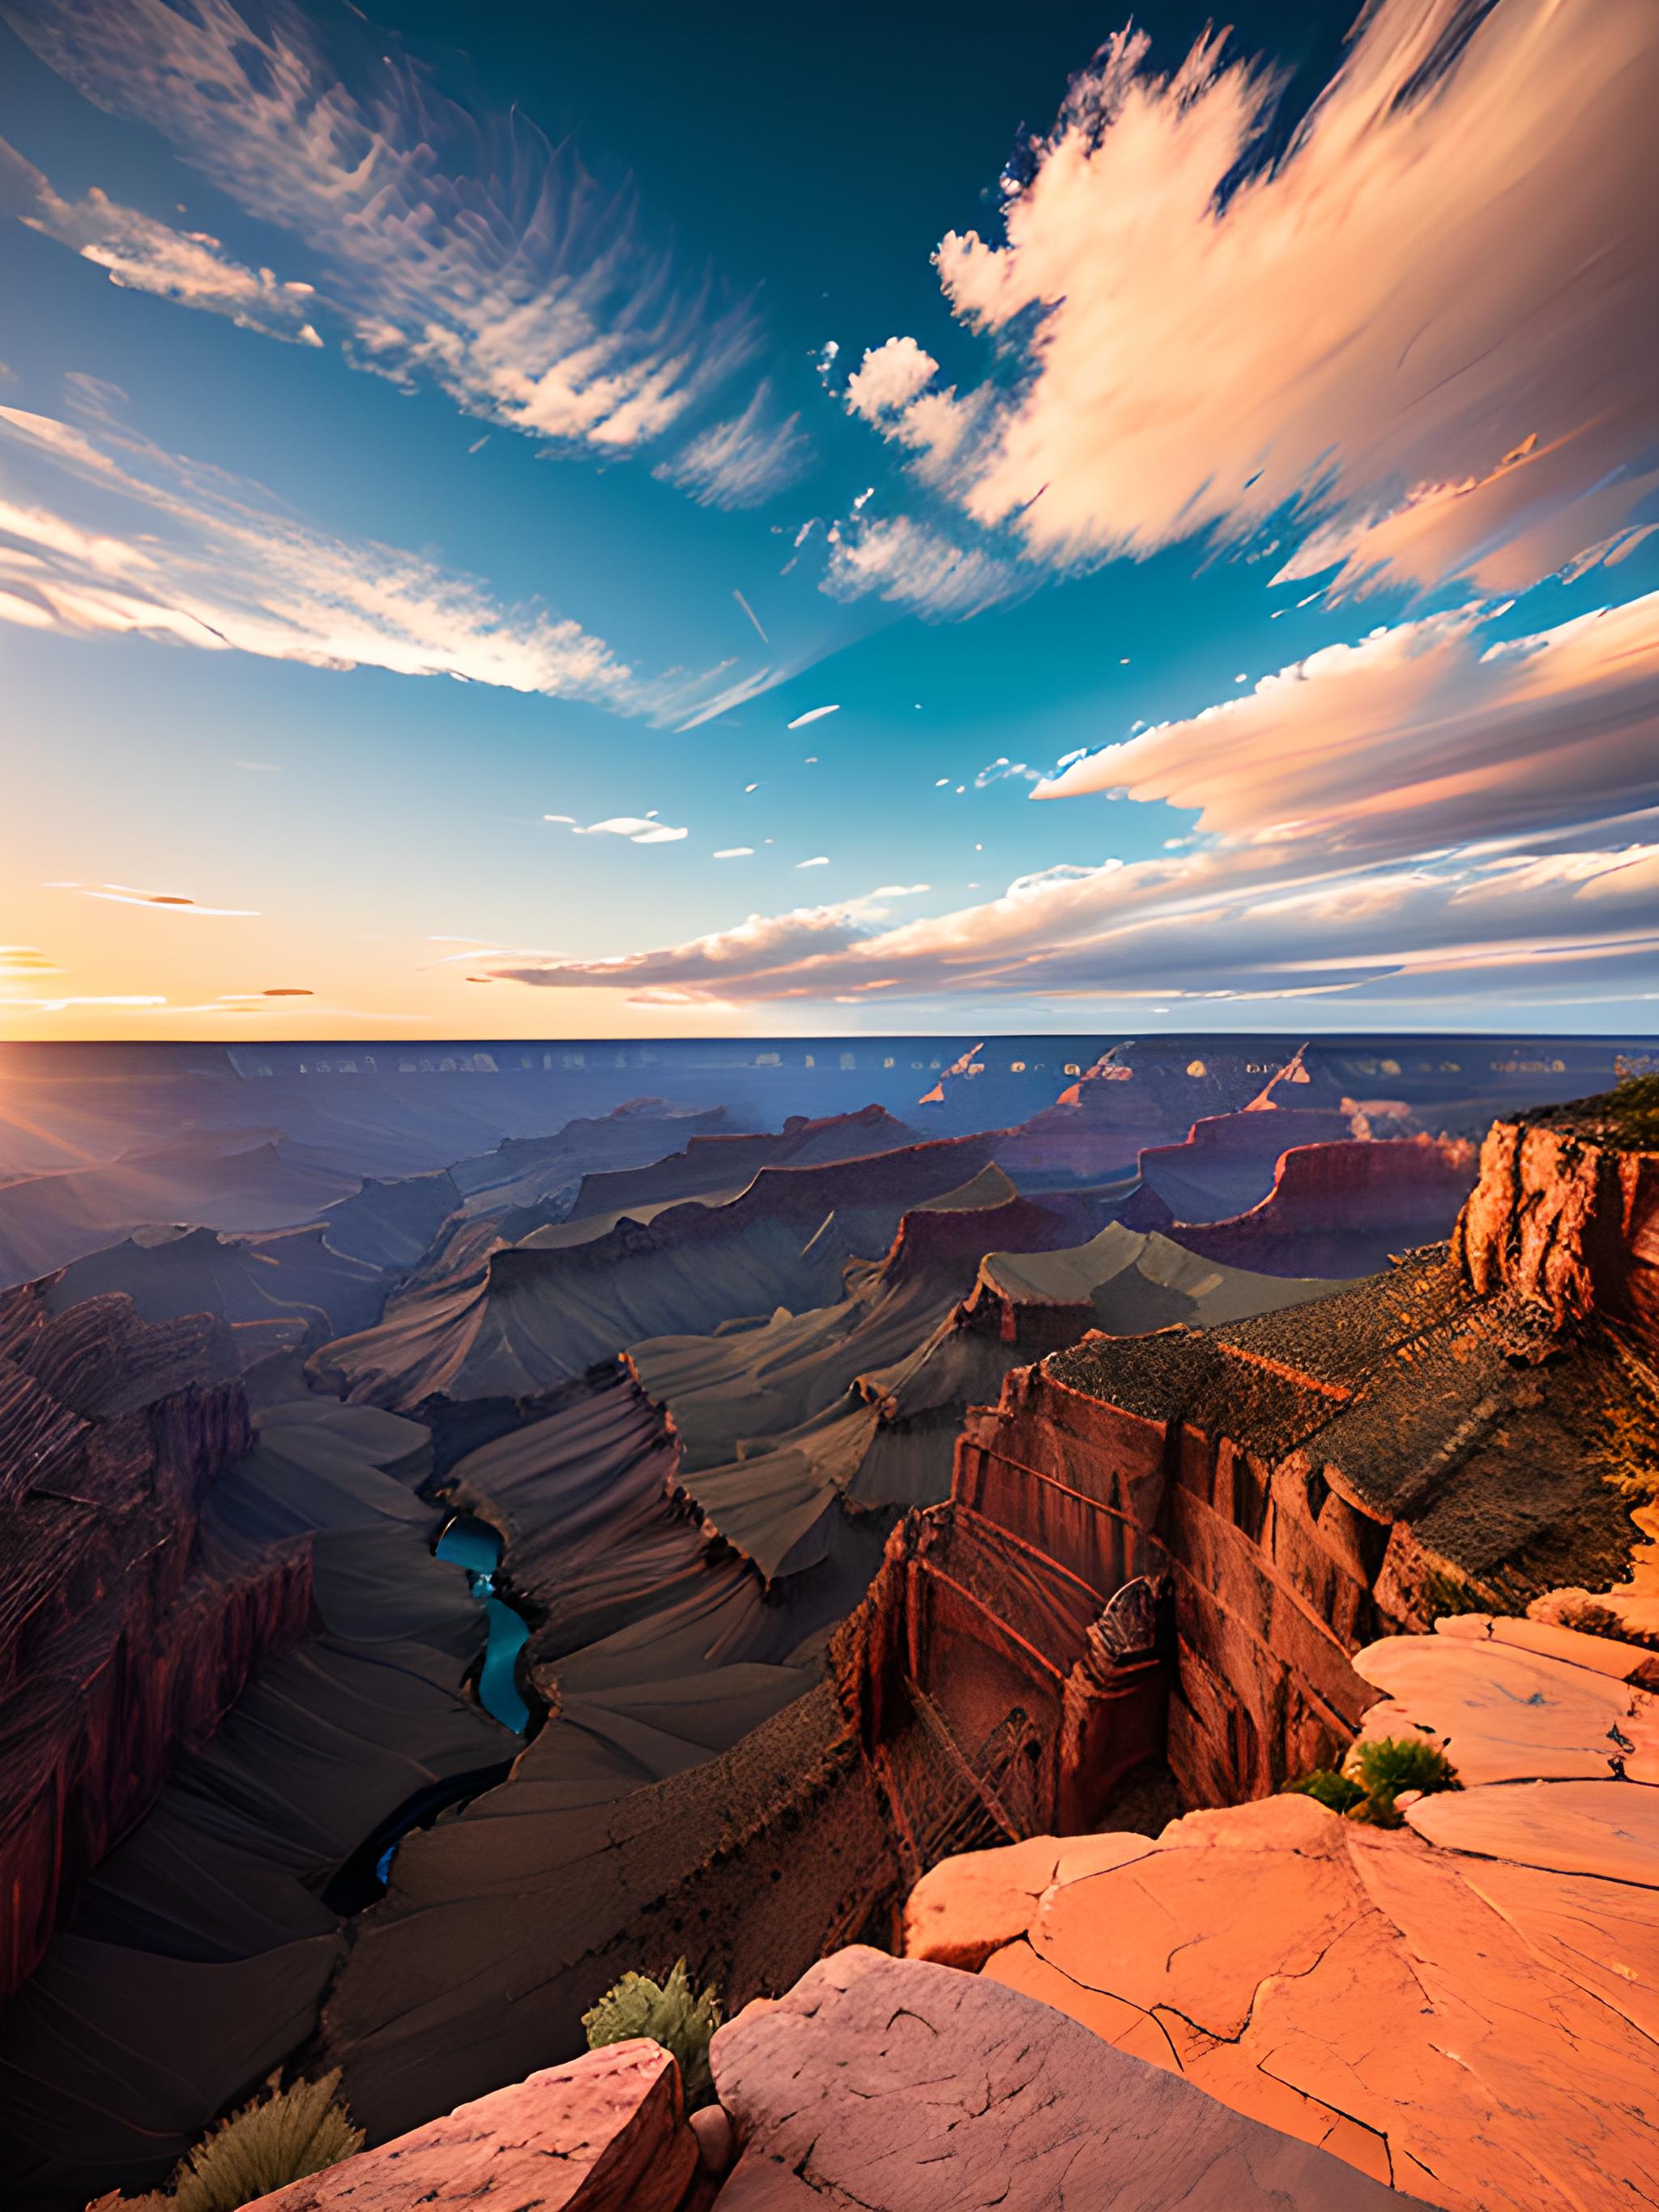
column 885, row 2084
column 606, row 2133
column 504, row 1924
column 1567, row 1218
column 1335, row 1209
column 124, row 1635
column 1421, row 2002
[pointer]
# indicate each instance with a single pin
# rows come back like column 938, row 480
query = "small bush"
column 1336, row 1792
column 666, row 2013
column 279, row 2137
column 1372, row 1776
column 1386, row 1765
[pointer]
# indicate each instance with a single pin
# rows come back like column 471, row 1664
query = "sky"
column 737, row 520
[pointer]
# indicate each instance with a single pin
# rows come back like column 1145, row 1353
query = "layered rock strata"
column 1331, row 1209
column 194, row 1957
column 124, row 1632
column 1295, row 1484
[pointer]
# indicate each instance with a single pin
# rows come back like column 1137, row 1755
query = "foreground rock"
column 890, row 2086
column 606, row 2133
column 1465, row 2007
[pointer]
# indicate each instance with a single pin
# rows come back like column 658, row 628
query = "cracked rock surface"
column 1466, row 2008
column 890, row 2084
column 607, row 2133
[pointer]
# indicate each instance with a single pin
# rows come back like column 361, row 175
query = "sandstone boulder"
column 890, row 2084
column 606, row 2133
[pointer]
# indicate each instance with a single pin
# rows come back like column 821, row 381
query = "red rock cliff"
column 121, row 1637
column 1567, row 1223
column 1300, row 1483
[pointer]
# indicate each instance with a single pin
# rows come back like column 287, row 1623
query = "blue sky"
column 451, row 343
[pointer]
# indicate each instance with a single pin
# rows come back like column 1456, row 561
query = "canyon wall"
column 1281, row 1491
column 1567, row 1222
column 122, row 1635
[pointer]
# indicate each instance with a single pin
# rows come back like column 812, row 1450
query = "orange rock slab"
column 1467, row 2008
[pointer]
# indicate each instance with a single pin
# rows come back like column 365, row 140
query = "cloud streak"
column 141, row 254
column 1421, row 811
column 1421, row 733
column 638, row 828
column 449, row 246
column 187, row 554
column 1420, row 330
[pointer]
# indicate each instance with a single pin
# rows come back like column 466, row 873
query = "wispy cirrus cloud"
column 184, row 552
column 1421, row 328
column 1424, row 810
column 141, row 254
column 914, row 566
column 742, row 462
column 168, row 902
column 446, row 244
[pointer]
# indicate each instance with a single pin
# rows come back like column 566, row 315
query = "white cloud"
column 915, row 567
column 742, row 462
column 812, row 715
column 820, row 860
column 889, row 378
column 1003, row 771
column 450, row 246
column 736, row 852
column 1424, row 325
column 213, row 563
column 638, row 828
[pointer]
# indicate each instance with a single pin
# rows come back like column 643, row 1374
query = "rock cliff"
column 1284, row 1489
column 124, row 1633
column 1334, row 1209
column 1568, row 1219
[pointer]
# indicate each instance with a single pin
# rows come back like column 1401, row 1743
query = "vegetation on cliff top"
column 668, row 2013
column 279, row 2136
column 1375, row 1773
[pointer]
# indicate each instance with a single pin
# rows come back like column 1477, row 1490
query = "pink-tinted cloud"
column 1420, row 810
column 141, row 254
column 890, row 377
column 1426, row 327
column 1426, row 733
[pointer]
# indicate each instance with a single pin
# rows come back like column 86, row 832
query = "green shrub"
column 1336, row 1792
column 1372, row 1776
column 1386, row 1765
column 666, row 2013
column 278, row 2137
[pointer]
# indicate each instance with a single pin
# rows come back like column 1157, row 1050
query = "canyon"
column 858, row 1496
